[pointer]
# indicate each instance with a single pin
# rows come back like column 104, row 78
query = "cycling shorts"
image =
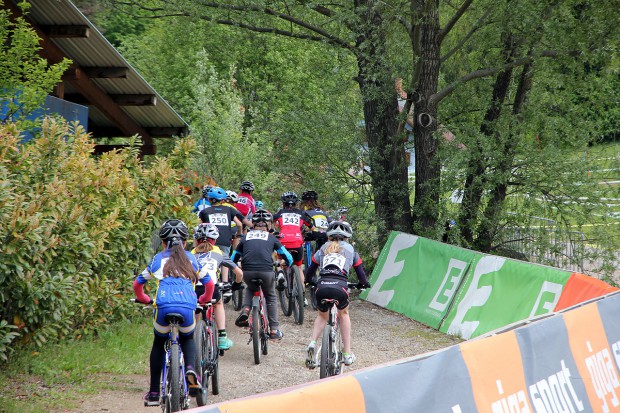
column 162, row 328
column 297, row 254
column 333, row 288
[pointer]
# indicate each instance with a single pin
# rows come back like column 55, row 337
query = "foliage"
column 76, row 228
column 25, row 77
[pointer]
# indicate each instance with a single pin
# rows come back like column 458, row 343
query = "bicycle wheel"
column 325, row 352
column 213, row 357
column 256, row 333
column 201, row 339
column 283, row 296
column 264, row 330
column 297, row 296
column 174, row 376
column 237, row 299
column 313, row 298
column 337, row 349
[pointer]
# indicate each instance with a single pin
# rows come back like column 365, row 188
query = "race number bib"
column 209, row 266
column 320, row 222
column 337, row 260
column 290, row 219
column 242, row 200
column 218, row 219
column 257, row 235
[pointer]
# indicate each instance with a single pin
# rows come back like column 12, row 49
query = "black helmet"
column 339, row 229
column 289, row 198
column 262, row 215
column 246, row 186
column 173, row 228
column 309, row 196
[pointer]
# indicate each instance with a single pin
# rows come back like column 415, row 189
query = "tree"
column 445, row 47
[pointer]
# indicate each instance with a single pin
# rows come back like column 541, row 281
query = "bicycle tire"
column 214, row 359
column 337, row 346
column 256, row 341
column 237, row 299
column 175, row 378
column 201, row 339
column 325, row 352
column 313, row 301
column 297, row 296
column 264, row 328
column 284, row 297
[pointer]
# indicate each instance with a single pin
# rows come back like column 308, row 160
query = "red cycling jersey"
column 245, row 204
column 291, row 221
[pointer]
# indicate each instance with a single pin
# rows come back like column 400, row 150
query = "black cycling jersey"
column 222, row 217
column 255, row 249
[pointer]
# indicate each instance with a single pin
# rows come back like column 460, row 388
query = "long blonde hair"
column 203, row 247
column 178, row 265
column 333, row 247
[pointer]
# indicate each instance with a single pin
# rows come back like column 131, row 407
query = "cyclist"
column 255, row 251
column 290, row 220
column 334, row 260
column 259, row 205
column 223, row 217
column 310, row 203
column 175, row 271
column 203, row 202
column 211, row 258
column 231, row 199
column 245, row 203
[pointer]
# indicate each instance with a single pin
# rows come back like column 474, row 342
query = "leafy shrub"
column 75, row 228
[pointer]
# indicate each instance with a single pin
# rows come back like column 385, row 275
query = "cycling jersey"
column 319, row 219
column 255, row 251
column 171, row 291
column 233, row 226
column 245, row 204
column 222, row 217
column 290, row 222
column 200, row 205
column 337, row 264
column 211, row 262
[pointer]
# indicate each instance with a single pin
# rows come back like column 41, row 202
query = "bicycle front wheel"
column 201, row 338
column 256, row 333
column 237, row 298
column 298, row 296
column 174, row 375
column 325, row 352
column 264, row 330
column 212, row 361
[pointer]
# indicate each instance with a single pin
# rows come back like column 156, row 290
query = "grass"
column 43, row 380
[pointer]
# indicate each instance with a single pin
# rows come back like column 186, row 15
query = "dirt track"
column 378, row 336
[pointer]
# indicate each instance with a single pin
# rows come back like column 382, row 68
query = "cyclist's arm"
column 209, row 288
column 361, row 274
column 138, row 287
column 280, row 249
column 311, row 270
column 239, row 218
column 238, row 273
column 237, row 253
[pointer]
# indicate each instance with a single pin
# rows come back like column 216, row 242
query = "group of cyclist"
column 231, row 221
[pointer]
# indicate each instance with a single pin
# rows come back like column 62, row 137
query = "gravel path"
column 378, row 336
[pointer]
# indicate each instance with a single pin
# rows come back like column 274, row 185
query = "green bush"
column 75, row 229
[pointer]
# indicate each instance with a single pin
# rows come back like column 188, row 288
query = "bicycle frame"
column 259, row 338
column 167, row 404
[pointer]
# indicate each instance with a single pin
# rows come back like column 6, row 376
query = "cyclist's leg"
column 223, row 269
column 242, row 318
column 269, row 290
column 345, row 329
column 156, row 361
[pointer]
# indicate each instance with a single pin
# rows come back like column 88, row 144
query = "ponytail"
column 178, row 265
column 333, row 247
column 204, row 246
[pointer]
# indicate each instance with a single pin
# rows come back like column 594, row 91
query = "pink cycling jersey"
column 245, row 204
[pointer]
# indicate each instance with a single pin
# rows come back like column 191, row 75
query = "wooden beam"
column 66, row 31
column 158, row 132
column 145, row 149
column 122, row 100
column 99, row 72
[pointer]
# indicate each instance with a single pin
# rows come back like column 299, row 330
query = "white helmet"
column 206, row 230
column 339, row 228
column 232, row 195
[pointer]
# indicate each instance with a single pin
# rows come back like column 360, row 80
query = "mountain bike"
column 258, row 324
column 207, row 352
column 174, row 390
column 332, row 357
column 292, row 295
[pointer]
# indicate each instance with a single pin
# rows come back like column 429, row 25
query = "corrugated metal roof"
column 96, row 51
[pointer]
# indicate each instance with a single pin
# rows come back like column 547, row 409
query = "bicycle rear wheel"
column 237, row 298
column 256, row 333
column 174, row 377
column 201, row 338
column 313, row 302
column 325, row 352
column 213, row 358
column 297, row 296
column 284, row 296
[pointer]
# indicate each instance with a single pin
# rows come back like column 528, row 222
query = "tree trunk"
column 387, row 159
column 427, row 163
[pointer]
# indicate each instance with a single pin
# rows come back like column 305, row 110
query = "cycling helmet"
column 205, row 190
column 206, row 230
column 339, row 228
column 217, row 193
column 173, row 228
column 309, row 196
column 289, row 198
column 262, row 215
column 247, row 186
column 259, row 204
column 232, row 195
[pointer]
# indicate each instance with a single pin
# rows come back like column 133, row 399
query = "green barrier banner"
column 498, row 292
column 418, row 277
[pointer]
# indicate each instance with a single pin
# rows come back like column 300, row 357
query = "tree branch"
column 459, row 13
column 477, row 74
column 464, row 40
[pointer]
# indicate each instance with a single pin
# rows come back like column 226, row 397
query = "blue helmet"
column 217, row 193
column 259, row 204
